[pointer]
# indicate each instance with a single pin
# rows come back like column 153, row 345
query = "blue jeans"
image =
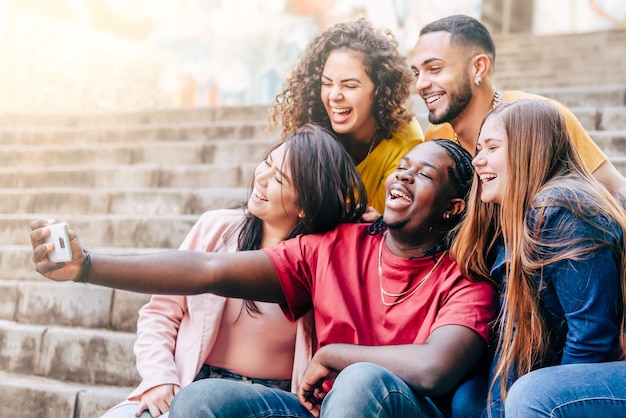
column 361, row 390
column 470, row 398
column 572, row 391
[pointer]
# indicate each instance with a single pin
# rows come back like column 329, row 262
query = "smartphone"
column 62, row 250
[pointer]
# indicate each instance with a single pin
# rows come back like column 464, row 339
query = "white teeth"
column 431, row 99
column 488, row 176
column 259, row 196
column 395, row 194
column 335, row 110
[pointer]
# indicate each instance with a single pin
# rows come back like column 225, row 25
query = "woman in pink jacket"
column 306, row 185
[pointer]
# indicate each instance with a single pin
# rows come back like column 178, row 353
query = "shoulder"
column 455, row 279
column 570, row 208
column 347, row 233
column 222, row 215
column 439, row 131
column 411, row 131
column 407, row 136
column 516, row 94
column 212, row 225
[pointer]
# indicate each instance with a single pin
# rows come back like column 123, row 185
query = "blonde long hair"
column 540, row 157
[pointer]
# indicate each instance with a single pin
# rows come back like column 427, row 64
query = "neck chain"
column 497, row 99
column 402, row 296
column 370, row 150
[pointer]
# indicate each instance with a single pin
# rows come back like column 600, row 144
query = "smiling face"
column 273, row 198
column 348, row 94
column 419, row 192
column 442, row 77
column 490, row 160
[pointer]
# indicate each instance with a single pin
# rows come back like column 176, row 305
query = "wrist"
column 85, row 269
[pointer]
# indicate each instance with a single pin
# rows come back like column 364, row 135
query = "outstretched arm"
column 247, row 274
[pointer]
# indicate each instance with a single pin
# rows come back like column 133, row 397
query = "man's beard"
column 458, row 102
column 395, row 225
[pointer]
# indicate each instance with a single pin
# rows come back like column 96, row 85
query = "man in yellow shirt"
column 453, row 65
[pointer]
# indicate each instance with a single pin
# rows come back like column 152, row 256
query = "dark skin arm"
column 247, row 274
column 430, row 369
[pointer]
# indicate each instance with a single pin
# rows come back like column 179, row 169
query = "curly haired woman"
column 352, row 80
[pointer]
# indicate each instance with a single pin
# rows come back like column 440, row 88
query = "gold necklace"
column 370, row 150
column 402, row 296
column 497, row 99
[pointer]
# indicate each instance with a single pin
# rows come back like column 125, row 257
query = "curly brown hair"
column 300, row 100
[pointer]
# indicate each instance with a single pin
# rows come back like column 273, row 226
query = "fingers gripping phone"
column 62, row 249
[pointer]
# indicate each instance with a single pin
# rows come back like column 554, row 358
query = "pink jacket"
column 175, row 334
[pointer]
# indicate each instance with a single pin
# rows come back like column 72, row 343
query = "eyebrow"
column 283, row 174
column 491, row 139
column 427, row 61
column 425, row 163
column 345, row 80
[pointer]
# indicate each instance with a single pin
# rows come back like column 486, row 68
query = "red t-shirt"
column 337, row 274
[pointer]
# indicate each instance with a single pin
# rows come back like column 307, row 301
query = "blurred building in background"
column 90, row 55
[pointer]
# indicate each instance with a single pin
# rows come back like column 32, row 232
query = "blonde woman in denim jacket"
column 553, row 240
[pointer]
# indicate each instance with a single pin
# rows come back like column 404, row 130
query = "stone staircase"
column 127, row 183
column 133, row 183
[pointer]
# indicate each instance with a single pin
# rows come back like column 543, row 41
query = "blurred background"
column 91, row 55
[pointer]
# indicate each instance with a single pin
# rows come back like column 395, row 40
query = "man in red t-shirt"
column 397, row 325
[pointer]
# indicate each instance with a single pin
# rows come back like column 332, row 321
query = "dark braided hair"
column 461, row 176
column 463, row 172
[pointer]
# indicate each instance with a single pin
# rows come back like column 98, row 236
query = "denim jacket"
column 580, row 298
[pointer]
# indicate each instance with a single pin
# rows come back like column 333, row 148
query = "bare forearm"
column 242, row 275
column 431, row 369
column 246, row 274
column 173, row 272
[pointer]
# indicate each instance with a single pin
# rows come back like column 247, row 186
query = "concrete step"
column 146, row 201
column 613, row 143
column 16, row 264
column 112, row 230
column 258, row 113
column 234, row 151
column 36, row 397
column 593, row 118
column 189, row 131
column 80, row 355
column 612, row 119
column 223, row 175
column 69, row 304
column 527, row 61
column 592, row 96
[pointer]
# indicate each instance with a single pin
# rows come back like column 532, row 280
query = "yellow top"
column 591, row 154
column 384, row 160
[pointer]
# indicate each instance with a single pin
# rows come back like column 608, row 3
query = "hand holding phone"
column 62, row 249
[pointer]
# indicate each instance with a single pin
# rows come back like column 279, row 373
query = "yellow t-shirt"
column 591, row 154
column 384, row 160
